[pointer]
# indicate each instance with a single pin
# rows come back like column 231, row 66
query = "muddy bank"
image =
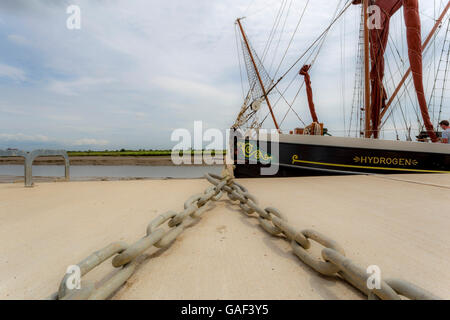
column 100, row 161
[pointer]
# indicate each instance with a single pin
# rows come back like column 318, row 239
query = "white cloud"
column 45, row 140
column 125, row 112
column 13, row 73
column 90, row 142
column 13, row 111
column 137, row 68
column 23, row 137
column 18, row 39
column 194, row 89
column 77, row 86
column 64, row 118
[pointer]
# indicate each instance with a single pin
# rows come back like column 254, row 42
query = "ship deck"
column 401, row 226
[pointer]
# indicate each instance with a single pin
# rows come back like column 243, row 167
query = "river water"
column 12, row 172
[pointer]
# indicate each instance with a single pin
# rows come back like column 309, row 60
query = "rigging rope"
column 358, row 81
column 291, row 40
column 441, row 60
column 273, row 31
column 406, row 90
column 280, row 37
column 320, row 40
column 343, row 79
column 251, row 3
column 349, row 3
column 239, row 60
column 445, row 80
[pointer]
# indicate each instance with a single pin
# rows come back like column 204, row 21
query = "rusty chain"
column 126, row 258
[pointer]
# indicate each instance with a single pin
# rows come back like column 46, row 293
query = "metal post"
column 28, row 170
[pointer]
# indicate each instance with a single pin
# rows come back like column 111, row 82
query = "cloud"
column 193, row 89
column 23, row 137
column 18, row 39
column 13, row 73
column 43, row 141
column 64, row 118
column 30, row 7
column 137, row 115
column 138, row 68
column 77, row 86
column 90, row 142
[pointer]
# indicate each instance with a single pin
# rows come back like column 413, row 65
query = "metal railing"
column 29, row 157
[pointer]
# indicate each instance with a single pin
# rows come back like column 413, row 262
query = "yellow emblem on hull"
column 251, row 152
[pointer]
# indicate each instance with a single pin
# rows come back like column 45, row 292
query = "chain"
column 333, row 263
column 126, row 258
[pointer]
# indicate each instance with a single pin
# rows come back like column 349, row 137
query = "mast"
column 425, row 44
column 367, row 108
column 257, row 73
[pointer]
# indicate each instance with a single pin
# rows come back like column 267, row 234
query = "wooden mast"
column 257, row 73
column 368, row 128
column 425, row 44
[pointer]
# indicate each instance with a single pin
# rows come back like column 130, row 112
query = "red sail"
column 412, row 21
column 378, row 42
column 304, row 72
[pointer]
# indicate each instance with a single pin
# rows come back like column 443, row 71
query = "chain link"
column 126, row 257
column 333, row 263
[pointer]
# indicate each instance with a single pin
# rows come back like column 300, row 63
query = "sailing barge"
column 310, row 151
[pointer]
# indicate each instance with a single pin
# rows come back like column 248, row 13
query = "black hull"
column 299, row 159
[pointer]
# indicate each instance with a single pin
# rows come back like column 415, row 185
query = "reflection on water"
column 112, row 172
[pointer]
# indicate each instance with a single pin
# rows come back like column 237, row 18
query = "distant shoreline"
column 109, row 160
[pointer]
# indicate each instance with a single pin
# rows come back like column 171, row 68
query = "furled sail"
column 304, row 72
column 412, row 21
column 378, row 42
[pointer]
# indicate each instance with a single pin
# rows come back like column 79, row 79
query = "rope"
column 272, row 32
column 281, row 35
column 239, row 60
column 291, row 40
column 312, row 45
column 318, row 48
column 411, row 181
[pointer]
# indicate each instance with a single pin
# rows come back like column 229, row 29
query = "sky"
column 136, row 70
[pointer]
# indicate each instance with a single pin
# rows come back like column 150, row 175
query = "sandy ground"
column 99, row 161
column 402, row 227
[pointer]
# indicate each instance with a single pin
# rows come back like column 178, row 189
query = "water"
column 110, row 172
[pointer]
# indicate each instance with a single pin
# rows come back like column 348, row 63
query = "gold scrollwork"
column 250, row 151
